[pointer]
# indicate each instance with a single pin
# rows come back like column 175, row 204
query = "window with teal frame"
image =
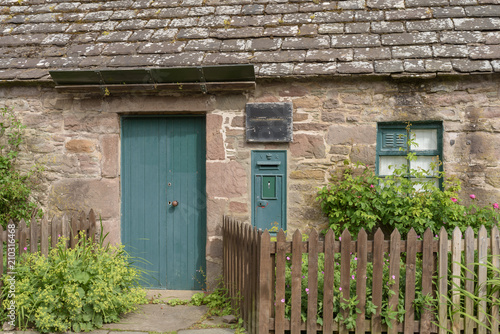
column 426, row 143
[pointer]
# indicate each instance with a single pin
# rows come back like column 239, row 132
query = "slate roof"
column 281, row 38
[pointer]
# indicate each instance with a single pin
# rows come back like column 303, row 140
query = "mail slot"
column 269, row 189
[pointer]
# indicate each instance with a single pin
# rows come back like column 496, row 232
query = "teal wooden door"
column 163, row 164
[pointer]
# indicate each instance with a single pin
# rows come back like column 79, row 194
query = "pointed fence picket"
column 255, row 265
column 377, row 281
column 362, row 254
column 36, row 237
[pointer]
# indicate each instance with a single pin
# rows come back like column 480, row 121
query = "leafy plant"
column 352, row 312
column 15, row 187
column 217, row 301
column 74, row 289
column 219, row 304
column 351, row 305
column 483, row 297
column 408, row 198
column 173, row 302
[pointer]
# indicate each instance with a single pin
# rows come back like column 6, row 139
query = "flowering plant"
column 339, row 303
column 358, row 198
column 77, row 289
column 420, row 197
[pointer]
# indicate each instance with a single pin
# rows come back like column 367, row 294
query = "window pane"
column 424, row 139
column 425, row 164
column 418, row 186
column 393, row 161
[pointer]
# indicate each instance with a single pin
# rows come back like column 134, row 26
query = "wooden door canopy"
column 204, row 79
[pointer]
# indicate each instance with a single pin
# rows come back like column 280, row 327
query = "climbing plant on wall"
column 15, row 185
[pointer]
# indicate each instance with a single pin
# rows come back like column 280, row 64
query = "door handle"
column 175, row 203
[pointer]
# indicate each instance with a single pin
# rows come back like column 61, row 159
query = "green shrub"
column 407, row 198
column 74, row 289
column 340, row 304
column 15, row 187
column 359, row 199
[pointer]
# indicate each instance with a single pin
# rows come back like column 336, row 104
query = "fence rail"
column 39, row 234
column 254, row 274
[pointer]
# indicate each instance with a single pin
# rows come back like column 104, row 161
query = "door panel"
column 163, row 160
column 186, row 185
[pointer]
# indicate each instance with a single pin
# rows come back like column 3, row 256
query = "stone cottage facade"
column 346, row 67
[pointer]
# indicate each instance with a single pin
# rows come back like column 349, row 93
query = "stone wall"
column 77, row 139
column 77, row 144
column 336, row 120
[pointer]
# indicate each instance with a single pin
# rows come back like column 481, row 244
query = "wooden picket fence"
column 36, row 237
column 254, row 274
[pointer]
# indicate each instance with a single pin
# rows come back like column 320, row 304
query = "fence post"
column 65, row 229
column 411, row 257
column 443, row 281
column 264, row 291
column 345, row 278
column 238, row 251
column 255, row 279
column 82, row 225
column 427, row 272
column 44, row 237
column 245, row 244
column 295, row 320
column 74, row 231
column 378, row 262
column 495, row 261
column 328, row 282
column 394, row 266
column 224, row 255
column 55, row 231
column 33, row 236
column 92, row 225
column 22, row 237
column 456, row 255
column 482, row 247
column 361, row 280
column 230, row 257
column 312, row 281
column 279, row 326
column 469, row 278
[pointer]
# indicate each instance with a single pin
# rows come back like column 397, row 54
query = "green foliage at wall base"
column 76, row 289
column 359, row 199
column 350, row 305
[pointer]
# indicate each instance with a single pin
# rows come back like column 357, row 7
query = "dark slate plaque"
column 269, row 122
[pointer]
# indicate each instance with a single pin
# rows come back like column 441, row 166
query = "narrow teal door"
column 163, row 199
